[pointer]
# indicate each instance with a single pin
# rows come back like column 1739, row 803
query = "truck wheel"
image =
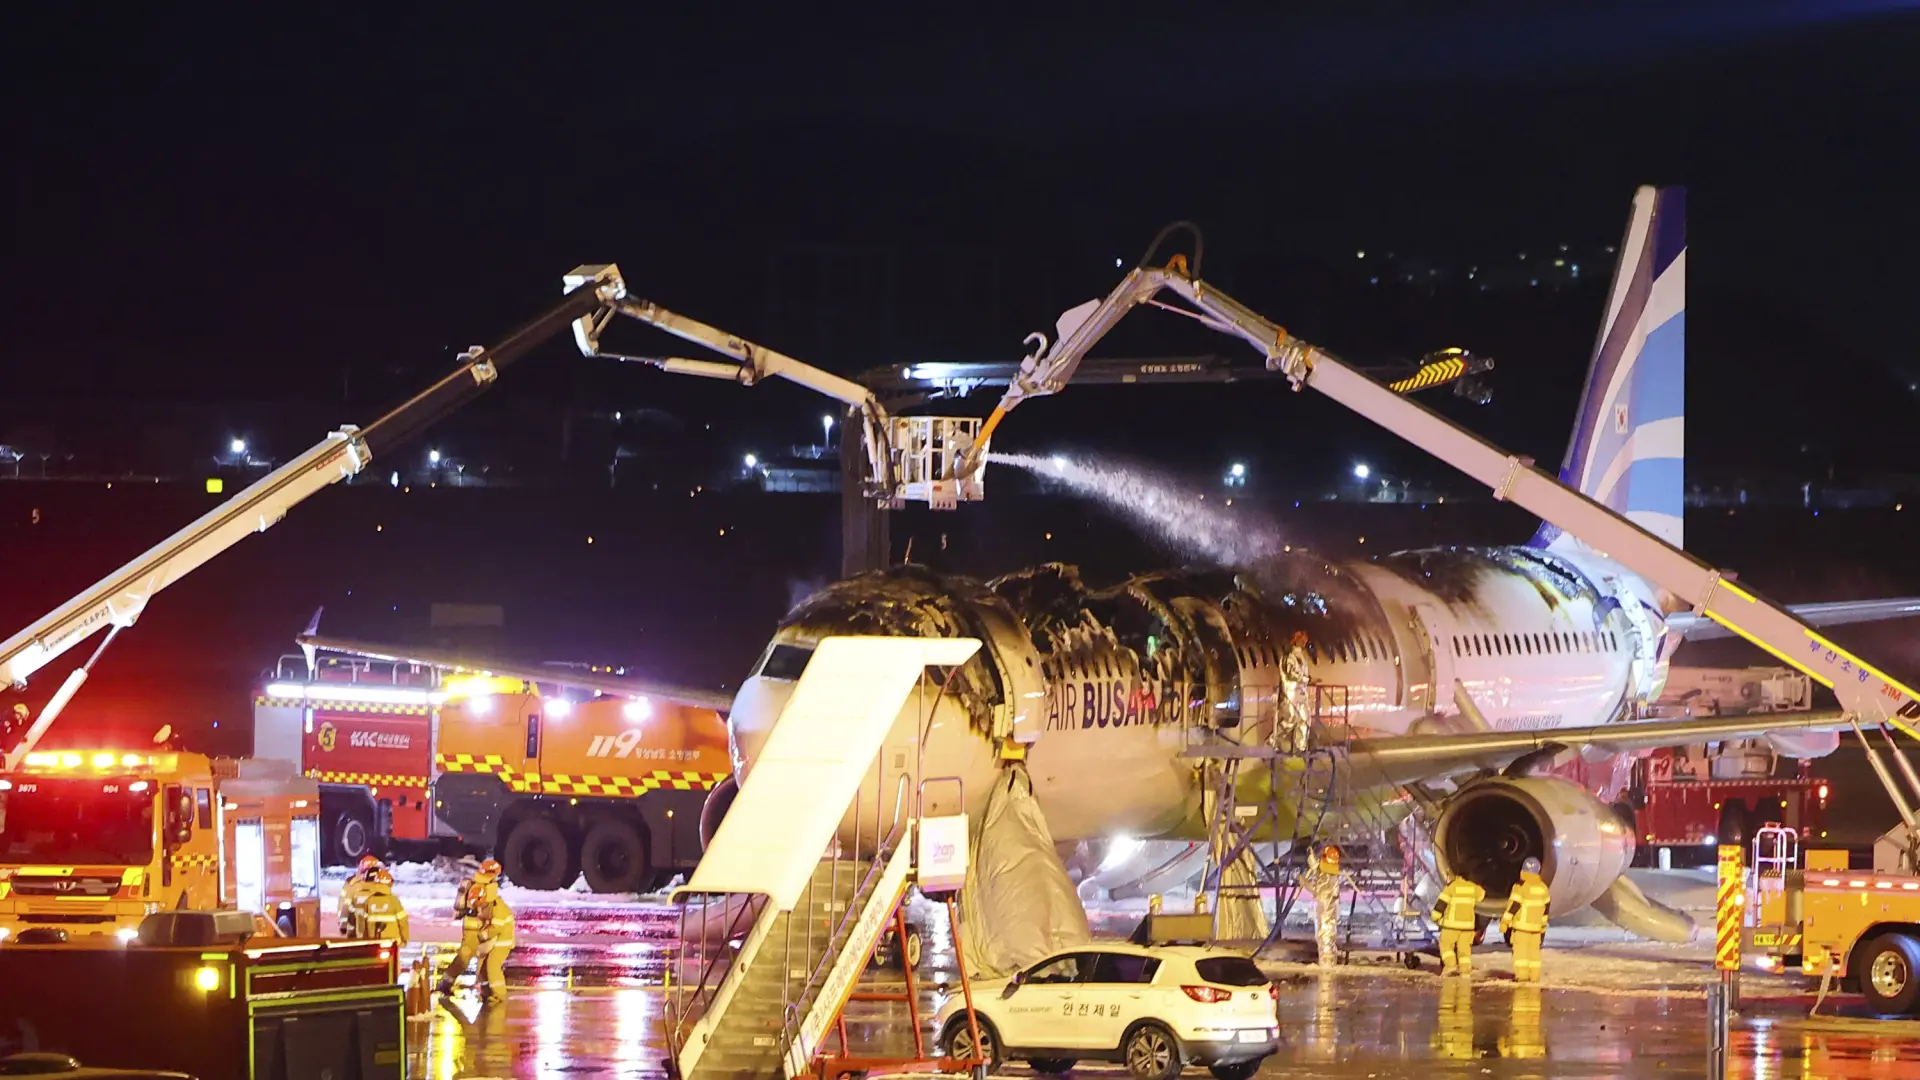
column 352, row 835
column 614, row 857
column 1890, row 974
column 536, row 856
column 909, row 951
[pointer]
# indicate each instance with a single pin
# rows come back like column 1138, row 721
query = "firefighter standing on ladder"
column 1294, row 733
column 1526, row 920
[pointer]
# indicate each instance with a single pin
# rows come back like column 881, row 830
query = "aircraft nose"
column 755, row 708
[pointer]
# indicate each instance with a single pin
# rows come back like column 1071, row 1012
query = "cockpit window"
column 785, row 662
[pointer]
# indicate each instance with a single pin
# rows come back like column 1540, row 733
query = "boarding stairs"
column 773, row 935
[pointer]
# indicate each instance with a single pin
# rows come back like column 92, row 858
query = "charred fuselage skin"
column 1102, row 688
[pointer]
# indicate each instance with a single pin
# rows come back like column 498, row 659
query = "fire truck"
column 1818, row 916
column 94, row 840
column 1685, row 800
column 598, row 780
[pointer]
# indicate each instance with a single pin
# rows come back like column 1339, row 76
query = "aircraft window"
column 1586, row 642
column 1509, row 645
column 785, row 662
column 1456, row 644
column 1486, row 645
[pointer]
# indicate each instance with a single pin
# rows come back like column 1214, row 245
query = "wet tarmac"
column 1348, row 1026
column 586, row 1001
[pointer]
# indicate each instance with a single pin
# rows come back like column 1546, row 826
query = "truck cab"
column 93, row 840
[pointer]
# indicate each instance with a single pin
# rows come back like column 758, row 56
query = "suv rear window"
column 1122, row 968
column 1230, row 971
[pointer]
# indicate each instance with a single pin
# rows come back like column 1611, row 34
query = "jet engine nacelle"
column 1487, row 830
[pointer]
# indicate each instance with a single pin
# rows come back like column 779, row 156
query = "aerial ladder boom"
column 118, row 599
column 907, row 457
column 1868, row 695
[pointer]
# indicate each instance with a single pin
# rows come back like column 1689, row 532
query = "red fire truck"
column 1684, row 800
column 363, row 729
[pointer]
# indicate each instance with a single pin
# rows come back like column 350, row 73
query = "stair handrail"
column 678, row 1026
column 790, row 1014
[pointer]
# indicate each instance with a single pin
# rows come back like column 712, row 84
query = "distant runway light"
column 752, row 461
column 1362, row 471
column 238, row 446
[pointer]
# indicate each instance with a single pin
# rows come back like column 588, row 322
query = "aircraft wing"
column 1836, row 613
column 1408, row 758
column 454, row 660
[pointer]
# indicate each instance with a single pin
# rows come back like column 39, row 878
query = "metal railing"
column 793, row 1004
column 292, row 667
column 718, row 963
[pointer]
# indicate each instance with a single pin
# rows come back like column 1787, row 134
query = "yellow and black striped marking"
column 1431, row 375
column 532, row 783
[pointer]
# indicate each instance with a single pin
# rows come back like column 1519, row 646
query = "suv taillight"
column 1273, row 991
column 1207, row 994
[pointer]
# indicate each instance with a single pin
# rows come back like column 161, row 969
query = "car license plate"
column 1254, row 1035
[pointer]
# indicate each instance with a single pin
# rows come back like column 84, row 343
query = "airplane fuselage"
column 1104, row 688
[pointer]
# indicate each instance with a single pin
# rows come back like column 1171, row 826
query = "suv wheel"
column 1152, row 1054
column 959, row 1042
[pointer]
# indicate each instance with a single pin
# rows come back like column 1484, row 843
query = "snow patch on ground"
column 427, row 888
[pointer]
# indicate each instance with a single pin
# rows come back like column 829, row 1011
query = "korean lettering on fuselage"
column 1081, row 704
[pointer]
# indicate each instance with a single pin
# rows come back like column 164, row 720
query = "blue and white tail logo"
column 1629, row 442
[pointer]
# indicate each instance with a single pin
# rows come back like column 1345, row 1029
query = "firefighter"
column 472, row 906
column 1294, row 732
column 381, row 913
column 495, row 943
column 1454, row 912
column 1526, row 920
column 1323, row 880
column 353, row 896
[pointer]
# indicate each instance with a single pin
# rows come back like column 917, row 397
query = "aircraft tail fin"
column 1628, row 449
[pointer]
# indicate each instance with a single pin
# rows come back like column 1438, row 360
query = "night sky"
column 263, row 207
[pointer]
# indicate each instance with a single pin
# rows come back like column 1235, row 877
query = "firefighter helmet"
column 368, row 862
column 1298, row 640
column 381, row 876
column 488, row 871
column 1330, row 858
column 1530, row 866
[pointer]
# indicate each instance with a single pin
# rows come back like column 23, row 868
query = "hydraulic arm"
column 1868, row 695
column 118, row 599
column 908, row 458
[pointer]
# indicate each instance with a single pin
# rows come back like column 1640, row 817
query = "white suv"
column 1156, row 1010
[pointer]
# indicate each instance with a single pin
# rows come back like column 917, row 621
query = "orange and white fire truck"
column 94, row 840
column 555, row 774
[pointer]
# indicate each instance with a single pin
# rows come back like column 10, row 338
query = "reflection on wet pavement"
column 594, row 1007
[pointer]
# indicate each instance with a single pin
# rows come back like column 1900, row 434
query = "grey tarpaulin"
column 1018, row 904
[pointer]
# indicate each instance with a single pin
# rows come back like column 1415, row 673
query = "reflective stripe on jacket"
column 1528, row 905
column 1454, row 909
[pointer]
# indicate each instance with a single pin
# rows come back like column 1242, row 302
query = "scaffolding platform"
column 1270, row 807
